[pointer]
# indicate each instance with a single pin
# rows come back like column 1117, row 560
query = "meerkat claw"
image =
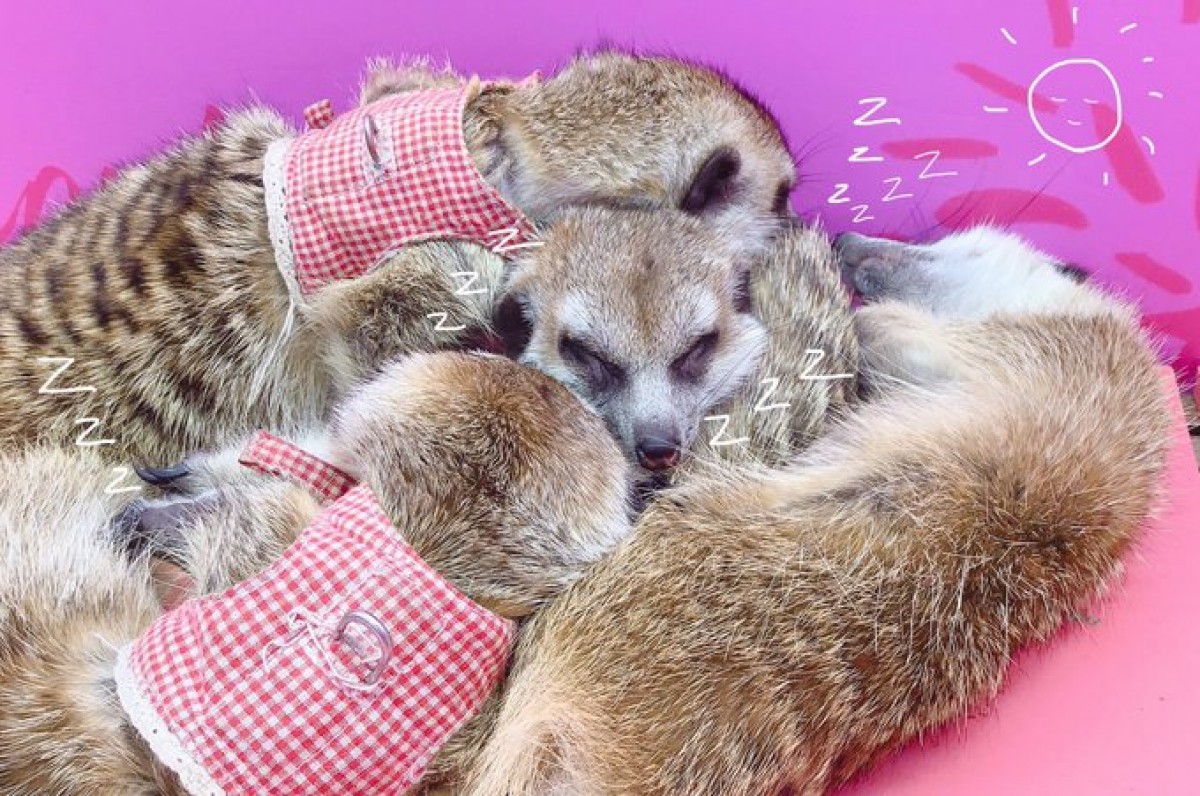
column 163, row 476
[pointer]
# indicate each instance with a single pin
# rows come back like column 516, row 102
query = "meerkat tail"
column 538, row 726
column 782, row 630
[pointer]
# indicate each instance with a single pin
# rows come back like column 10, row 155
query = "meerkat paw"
column 153, row 527
column 969, row 275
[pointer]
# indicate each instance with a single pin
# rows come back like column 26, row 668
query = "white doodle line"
column 91, row 423
column 771, row 384
column 1037, row 123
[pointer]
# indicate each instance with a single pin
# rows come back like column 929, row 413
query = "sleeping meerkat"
column 653, row 318
column 494, row 473
column 166, row 303
column 780, row 630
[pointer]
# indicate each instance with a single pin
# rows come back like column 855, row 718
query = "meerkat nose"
column 658, row 455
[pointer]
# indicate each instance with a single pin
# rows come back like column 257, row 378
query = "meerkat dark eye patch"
column 600, row 374
column 714, row 183
column 512, row 324
column 1073, row 272
column 692, row 364
column 780, row 206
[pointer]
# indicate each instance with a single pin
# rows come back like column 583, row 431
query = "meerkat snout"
column 658, row 449
column 496, row 474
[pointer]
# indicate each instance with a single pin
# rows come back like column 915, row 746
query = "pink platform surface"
column 1098, row 163
column 1112, row 708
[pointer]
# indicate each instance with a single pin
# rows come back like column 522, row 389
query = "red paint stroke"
column 1191, row 11
column 33, row 200
column 1184, row 325
column 213, row 116
column 1133, row 171
column 948, row 148
column 1155, row 272
column 1197, row 208
column 1004, row 87
column 1061, row 24
column 1005, row 206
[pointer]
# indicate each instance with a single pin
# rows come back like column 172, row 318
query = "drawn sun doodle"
column 1067, row 129
column 1077, row 105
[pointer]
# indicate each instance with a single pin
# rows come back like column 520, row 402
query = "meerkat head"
column 497, row 475
column 622, row 129
column 643, row 314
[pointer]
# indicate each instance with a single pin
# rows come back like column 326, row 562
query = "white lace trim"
column 275, row 187
column 162, row 742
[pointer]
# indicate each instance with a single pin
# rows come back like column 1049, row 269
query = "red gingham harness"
column 342, row 668
column 397, row 171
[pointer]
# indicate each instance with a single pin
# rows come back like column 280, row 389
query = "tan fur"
column 797, row 296
column 779, row 630
column 163, row 290
column 66, row 597
column 639, row 293
column 461, row 450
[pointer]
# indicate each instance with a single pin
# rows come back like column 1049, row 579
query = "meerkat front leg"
column 214, row 524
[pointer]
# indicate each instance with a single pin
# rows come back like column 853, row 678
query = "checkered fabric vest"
column 397, row 171
column 342, row 668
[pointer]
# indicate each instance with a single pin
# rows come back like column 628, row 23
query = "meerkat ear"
column 511, row 322
column 714, row 183
column 415, row 74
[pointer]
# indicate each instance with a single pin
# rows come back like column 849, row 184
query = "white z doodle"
column 441, row 327
column 818, row 355
column 876, row 104
column 933, row 156
column 90, row 443
column 506, row 235
column 472, row 276
column 860, row 214
column 90, row 423
column 717, row 441
column 772, row 385
column 67, row 362
column 121, row 472
column 838, row 197
column 859, row 155
column 891, row 194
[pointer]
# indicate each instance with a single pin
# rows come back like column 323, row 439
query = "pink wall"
column 87, row 85
column 1112, row 709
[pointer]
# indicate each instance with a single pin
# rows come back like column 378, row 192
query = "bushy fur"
column 461, row 450
column 779, row 630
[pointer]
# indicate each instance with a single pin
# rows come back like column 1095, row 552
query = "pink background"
column 88, row 85
column 1110, row 709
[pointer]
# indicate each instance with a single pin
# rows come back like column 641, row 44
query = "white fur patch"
column 985, row 271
